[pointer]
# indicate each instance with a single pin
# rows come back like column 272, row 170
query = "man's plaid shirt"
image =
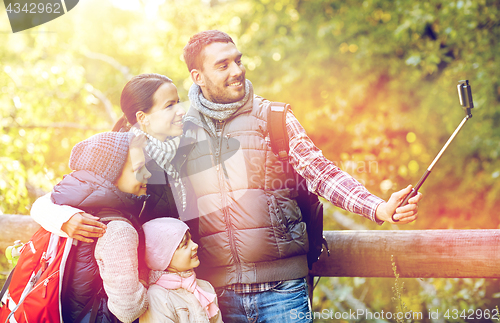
column 324, row 178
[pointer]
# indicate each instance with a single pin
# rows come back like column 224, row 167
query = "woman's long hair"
column 137, row 95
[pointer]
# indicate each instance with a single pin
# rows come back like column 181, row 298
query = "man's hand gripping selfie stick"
column 465, row 96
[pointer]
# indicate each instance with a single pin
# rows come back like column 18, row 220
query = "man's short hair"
column 196, row 44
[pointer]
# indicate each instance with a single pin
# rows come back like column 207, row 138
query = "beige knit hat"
column 163, row 236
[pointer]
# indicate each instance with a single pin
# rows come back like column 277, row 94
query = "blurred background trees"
column 373, row 82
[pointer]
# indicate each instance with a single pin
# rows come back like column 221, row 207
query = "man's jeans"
column 287, row 302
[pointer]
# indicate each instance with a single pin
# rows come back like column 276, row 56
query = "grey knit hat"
column 104, row 154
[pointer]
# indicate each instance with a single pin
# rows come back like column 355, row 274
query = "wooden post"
column 417, row 254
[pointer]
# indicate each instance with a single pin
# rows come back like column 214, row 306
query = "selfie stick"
column 465, row 96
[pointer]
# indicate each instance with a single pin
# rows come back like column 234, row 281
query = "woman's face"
column 165, row 117
column 134, row 175
column 186, row 256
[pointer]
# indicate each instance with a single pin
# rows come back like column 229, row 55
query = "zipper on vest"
column 227, row 217
column 219, row 128
column 217, row 157
column 143, row 207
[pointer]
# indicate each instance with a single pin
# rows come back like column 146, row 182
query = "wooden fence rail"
column 417, row 254
column 15, row 227
column 367, row 253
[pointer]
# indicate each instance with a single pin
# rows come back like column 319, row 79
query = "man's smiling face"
column 222, row 78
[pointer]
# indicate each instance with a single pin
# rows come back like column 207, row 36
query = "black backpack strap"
column 7, row 283
column 276, row 124
column 93, row 306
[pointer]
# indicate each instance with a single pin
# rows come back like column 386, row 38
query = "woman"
column 149, row 103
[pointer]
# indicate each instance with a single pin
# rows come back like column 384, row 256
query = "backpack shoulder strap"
column 309, row 204
column 107, row 219
column 107, row 215
column 276, row 124
column 7, row 283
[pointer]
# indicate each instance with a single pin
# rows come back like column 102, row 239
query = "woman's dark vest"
column 83, row 287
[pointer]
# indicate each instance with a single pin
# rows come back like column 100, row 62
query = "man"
column 253, row 244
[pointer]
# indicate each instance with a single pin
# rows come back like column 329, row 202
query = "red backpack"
column 33, row 294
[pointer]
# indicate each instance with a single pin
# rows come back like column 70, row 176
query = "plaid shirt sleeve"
column 324, row 178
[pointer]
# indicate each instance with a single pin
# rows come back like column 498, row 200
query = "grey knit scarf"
column 218, row 111
column 162, row 152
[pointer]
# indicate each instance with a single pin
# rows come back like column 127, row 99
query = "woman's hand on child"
column 83, row 227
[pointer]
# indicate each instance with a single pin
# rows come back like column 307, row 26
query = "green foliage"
column 398, row 291
column 373, row 82
column 4, row 269
column 422, row 296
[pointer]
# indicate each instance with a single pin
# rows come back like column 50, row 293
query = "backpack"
column 309, row 204
column 32, row 292
column 34, row 285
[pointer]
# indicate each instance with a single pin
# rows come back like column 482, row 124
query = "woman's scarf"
column 217, row 111
column 176, row 281
column 162, row 152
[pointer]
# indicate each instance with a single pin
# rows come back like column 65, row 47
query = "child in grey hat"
column 101, row 278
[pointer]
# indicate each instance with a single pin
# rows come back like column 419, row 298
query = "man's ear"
column 197, row 77
column 141, row 118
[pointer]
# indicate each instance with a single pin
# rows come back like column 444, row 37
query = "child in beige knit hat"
column 175, row 295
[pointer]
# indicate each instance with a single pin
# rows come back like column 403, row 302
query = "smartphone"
column 465, row 95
